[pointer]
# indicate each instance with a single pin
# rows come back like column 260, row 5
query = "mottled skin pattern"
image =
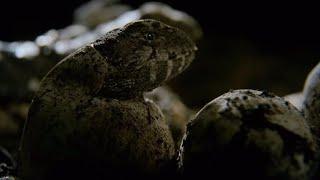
column 89, row 118
column 310, row 101
column 142, row 56
column 250, row 135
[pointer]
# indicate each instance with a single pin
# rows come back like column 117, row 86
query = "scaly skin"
column 89, row 118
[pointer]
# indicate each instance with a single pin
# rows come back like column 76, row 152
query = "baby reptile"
column 89, row 114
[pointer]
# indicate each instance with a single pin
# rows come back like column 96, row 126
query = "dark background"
column 265, row 45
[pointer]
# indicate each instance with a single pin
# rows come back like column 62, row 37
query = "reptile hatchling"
column 89, row 119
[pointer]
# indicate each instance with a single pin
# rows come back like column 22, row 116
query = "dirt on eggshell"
column 248, row 134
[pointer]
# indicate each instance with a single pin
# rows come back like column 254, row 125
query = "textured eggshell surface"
column 311, row 103
column 251, row 134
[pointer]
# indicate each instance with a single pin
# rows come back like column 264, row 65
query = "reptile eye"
column 149, row 37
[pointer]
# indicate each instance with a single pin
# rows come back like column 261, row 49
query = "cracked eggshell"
column 98, row 138
column 311, row 103
column 248, row 134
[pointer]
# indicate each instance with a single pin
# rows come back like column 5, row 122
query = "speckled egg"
column 310, row 99
column 248, row 134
